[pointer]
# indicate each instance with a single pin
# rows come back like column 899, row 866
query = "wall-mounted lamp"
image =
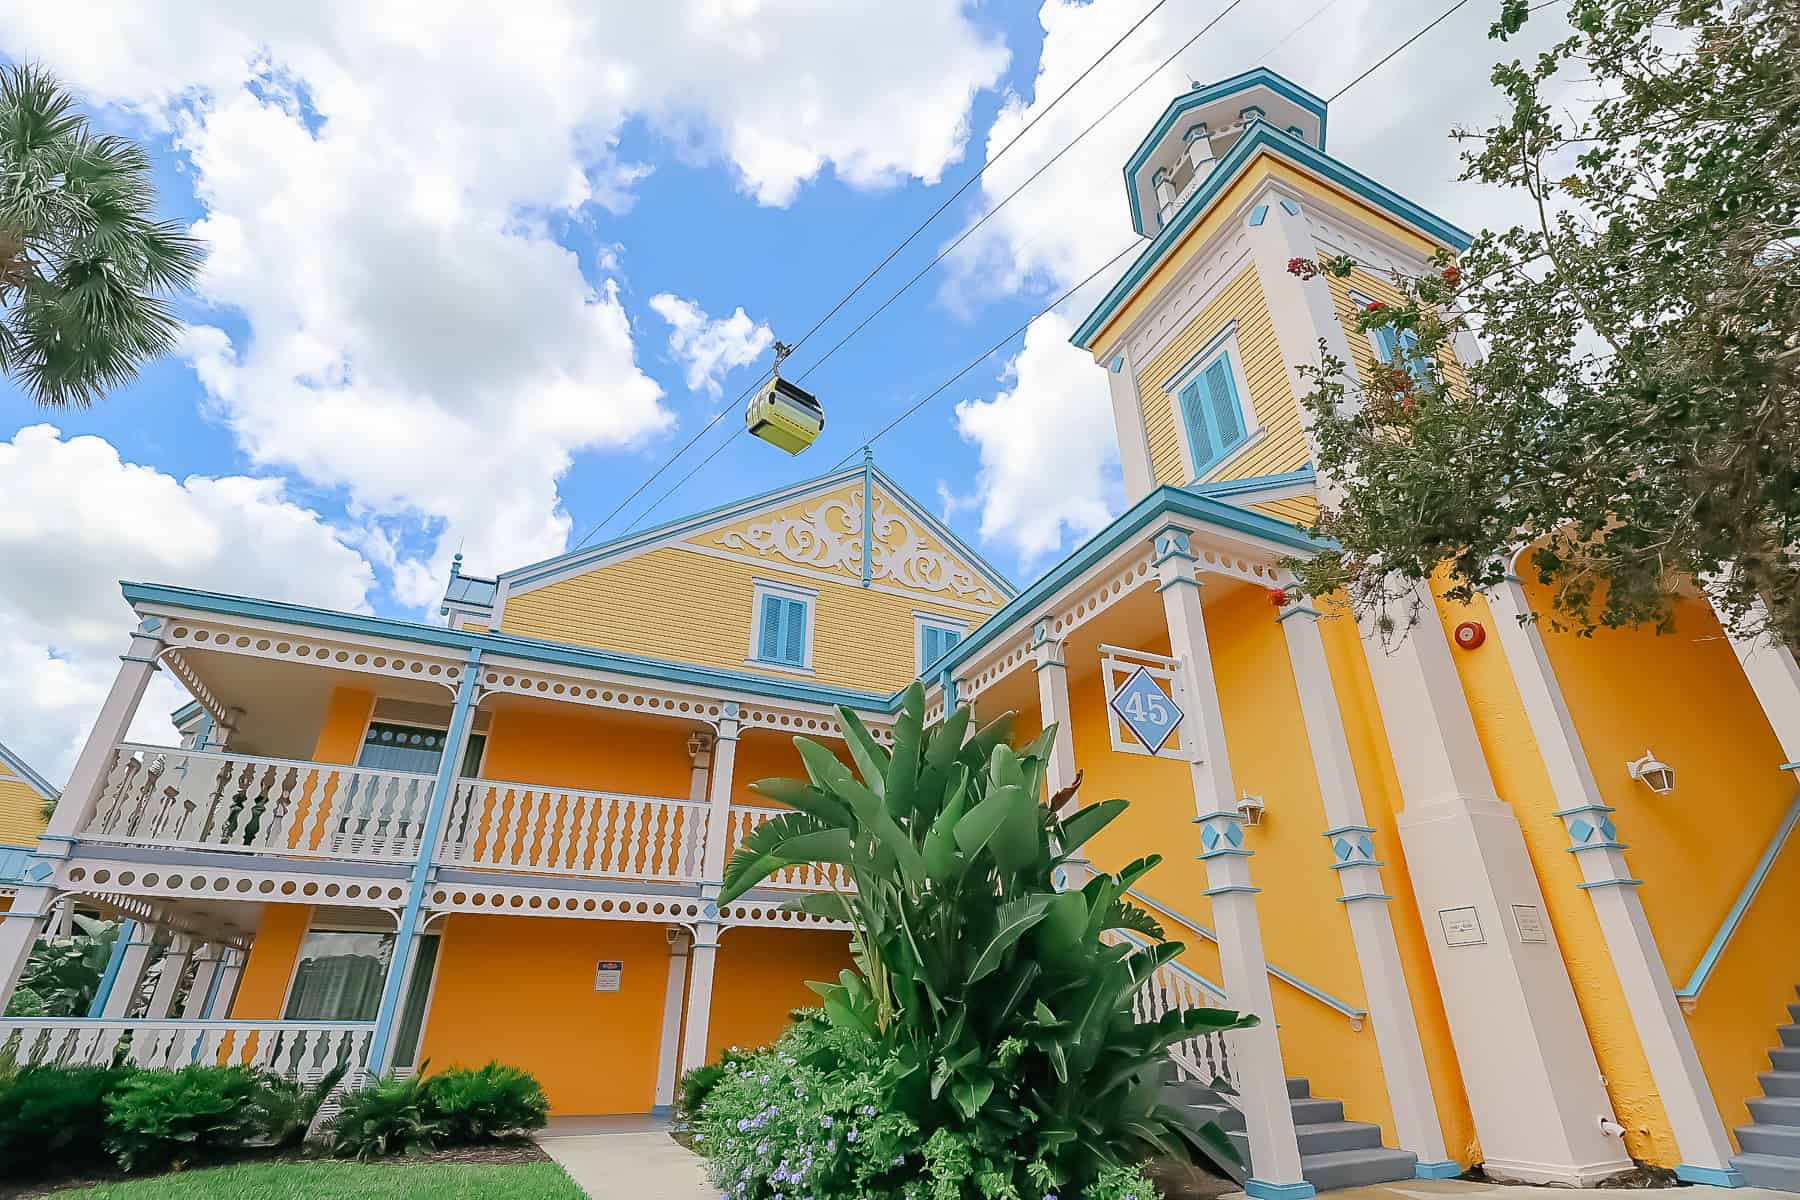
column 1653, row 773
column 1251, row 809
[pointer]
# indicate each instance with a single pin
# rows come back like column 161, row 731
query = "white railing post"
column 1053, row 708
column 168, row 983
column 129, row 979
column 1268, row 1119
column 668, row 1051
column 1674, row 1063
column 718, row 818
column 1365, row 899
column 702, row 958
column 200, row 988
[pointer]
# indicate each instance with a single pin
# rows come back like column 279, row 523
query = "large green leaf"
column 871, row 760
column 1088, row 820
column 798, row 794
column 766, row 850
column 1015, row 918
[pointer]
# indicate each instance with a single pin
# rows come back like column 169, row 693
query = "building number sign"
column 1148, row 711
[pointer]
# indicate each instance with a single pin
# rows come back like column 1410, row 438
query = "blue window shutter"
column 1385, row 344
column 1193, row 414
column 769, row 643
column 1416, row 363
column 935, row 642
column 793, row 650
column 1228, row 421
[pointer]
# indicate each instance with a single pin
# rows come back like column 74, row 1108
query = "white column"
column 32, row 905
column 1199, row 150
column 1365, row 900
column 231, row 971
column 1674, row 1064
column 1128, row 423
column 206, row 969
column 1533, row 1083
column 668, row 1052
column 130, row 978
column 1268, row 1119
column 168, row 983
column 699, row 994
column 1053, row 707
column 1165, row 195
column 1774, row 677
column 700, row 748
column 706, row 933
column 724, row 759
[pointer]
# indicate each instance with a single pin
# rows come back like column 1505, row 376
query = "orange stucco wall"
column 267, row 971
column 761, row 975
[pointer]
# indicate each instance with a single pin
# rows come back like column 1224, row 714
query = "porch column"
column 1053, row 706
column 119, row 990
column 1775, row 678
column 1268, row 1120
column 412, row 917
column 700, row 751
column 1669, row 1047
column 168, row 983
column 704, row 954
column 668, row 1052
column 1533, row 1083
column 206, row 973
column 32, row 905
column 225, row 985
column 1365, row 899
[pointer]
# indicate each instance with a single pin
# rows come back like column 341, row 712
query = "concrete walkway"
column 625, row 1158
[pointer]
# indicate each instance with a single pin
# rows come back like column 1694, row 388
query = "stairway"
column 1771, row 1156
column 1334, row 1153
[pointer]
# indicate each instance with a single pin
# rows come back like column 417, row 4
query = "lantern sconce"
column 1653, row 773
column 1251, row 809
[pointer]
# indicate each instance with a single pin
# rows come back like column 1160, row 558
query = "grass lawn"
column 346, row 1181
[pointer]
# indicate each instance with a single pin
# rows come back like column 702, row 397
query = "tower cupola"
column 1201, row 126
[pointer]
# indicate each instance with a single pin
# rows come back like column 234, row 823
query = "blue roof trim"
column 23, row 770
column 531, row 649
column 186, row 713
column 1279, row 142
column 1199, row 97
column 1223, row 488
column 14, row 862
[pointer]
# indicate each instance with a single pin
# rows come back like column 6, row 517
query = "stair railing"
column 1689, row 993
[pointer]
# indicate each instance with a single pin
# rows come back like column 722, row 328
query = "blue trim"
column 111, row 975
column 1199, row 97
column 1583, row 808
column 1791, row 766
column 1364, row 895
column 1588, row 887
column 1224, row 488
column 1717, row 1176
column 1263, row 137
column 400, row 964
column 1342, row 829
column 186, row 713
column 1710, row 959
column 1447, row 1169
column 1604, row 845
column 1288, row 206
column 1231, row 889
column 1199, row 980
column 868, row 519
column 1224, row 852
column 1259, row 1189
column 1259, row 214
column 1346, row 863
column 22, row 769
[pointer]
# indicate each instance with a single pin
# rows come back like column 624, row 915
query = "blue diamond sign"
column 1147, row 710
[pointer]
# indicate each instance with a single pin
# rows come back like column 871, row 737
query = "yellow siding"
column 1283, row 447
column 1298, row 510
column 679, row 604
column 1375, row 287
column 21, row 811
column 836, row 511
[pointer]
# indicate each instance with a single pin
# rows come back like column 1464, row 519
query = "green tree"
column 84, row 267
column 1635, row 419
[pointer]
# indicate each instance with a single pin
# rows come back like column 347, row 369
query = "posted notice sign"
column 608, row 975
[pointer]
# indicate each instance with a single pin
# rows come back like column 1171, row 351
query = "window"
column 389, row 746
column 1397, row 345
column 1212, row 411
column 339, row 976
column 781, row 632
column 936, row 639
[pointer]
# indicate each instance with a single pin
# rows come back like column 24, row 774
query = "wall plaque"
column 1462, row 927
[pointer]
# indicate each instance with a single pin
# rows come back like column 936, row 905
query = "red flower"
column 1278, row 597
column 1374, row 306
column 1452, row 276
column 1299, row 266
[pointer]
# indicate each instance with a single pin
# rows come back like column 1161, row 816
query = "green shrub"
column 26, row 1003
column 54, row 1116
column 695, row 1085
column 158, row 1119
column 389, row 1116
column 289, row 1107
column 484, row 1104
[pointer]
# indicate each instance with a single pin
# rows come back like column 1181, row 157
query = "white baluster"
column 537, row 823
column 584, row 834
column 654, row 838
column 556, row 831
column 632, row 863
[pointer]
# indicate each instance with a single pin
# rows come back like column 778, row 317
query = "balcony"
column 298, row 1050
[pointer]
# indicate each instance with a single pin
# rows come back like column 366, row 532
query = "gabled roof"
column 581, row 560
column 22, row 769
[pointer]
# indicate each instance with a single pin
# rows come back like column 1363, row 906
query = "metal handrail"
column 1690, row 991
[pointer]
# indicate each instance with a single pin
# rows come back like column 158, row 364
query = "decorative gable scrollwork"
column 828, row 535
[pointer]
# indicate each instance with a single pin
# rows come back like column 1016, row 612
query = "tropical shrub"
column 63, row 973
column 54, row 1117
column 485, row 1104
column 26, row 1003
column 696, row 1085
column 158, row 1119
column 390, row 1116
column 289, row 1107
column 996, row 1023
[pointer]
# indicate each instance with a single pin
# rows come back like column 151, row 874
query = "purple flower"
column 851, row 1135
column 825, row 1121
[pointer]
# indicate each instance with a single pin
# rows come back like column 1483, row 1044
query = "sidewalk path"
column 625, row 1159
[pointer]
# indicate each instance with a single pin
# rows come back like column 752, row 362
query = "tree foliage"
column 1635, row 420
column 1002, row 1019
column 84, row 266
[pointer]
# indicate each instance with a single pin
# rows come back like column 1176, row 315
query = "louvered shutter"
column 1193, row 412
column 1228, row 421
column 769, row 644
column 793, row 643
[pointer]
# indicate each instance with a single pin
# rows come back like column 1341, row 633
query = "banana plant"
column 1006, row 1011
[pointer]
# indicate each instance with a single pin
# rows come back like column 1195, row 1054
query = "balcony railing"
column 302, row 1050
column 1208, row 1058
column 275, row 807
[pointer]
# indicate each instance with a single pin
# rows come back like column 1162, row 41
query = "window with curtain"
column 1212, row 412
column 339, row 975
column 935, row 641
column 390, row 746
column 783, row 626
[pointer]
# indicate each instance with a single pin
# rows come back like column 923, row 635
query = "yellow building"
column 1501, row 895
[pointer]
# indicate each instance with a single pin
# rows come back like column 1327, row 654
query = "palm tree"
column 84, row 268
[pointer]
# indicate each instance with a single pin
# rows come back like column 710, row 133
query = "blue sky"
column 447, row 243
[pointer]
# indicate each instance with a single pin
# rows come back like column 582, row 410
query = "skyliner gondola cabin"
column 784, row 414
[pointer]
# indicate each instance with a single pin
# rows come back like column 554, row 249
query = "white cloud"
column 381, row 187
column 1048, row 463
column 77, row 520
column 711, row 347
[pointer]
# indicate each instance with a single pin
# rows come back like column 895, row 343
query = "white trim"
column 808, row 598
column 847, row 581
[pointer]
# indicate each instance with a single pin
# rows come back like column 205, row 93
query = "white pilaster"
column 168, row 983
column 130, row 977
column 700, row 751
column 206, row 969
column 1365, row 900
column 1663, row 1031
column 668, row 1052
column 699, row 994
column 231, row 971
column 1268, row 1120
column 724, row 759
column 1774, row 677
column 1128, row 423
column 1053, row 706
column 1533, row 1083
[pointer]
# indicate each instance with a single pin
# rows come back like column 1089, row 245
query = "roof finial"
column 869, row 453
column 456, row 565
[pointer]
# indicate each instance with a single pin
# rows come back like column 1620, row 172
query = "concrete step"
column 1789, row 1034
column 1794, row 1011
column 1357, row 1168
column 1785, row 1058
column 1769, row 1139
column 1313, row 1111
column 1780, row 1083
column 1768, row 1171
column 1775, row 1110
column 1327, row 1137
column 1299, row 1087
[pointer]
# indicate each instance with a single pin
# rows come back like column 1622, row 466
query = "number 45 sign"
column 1143, row 711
